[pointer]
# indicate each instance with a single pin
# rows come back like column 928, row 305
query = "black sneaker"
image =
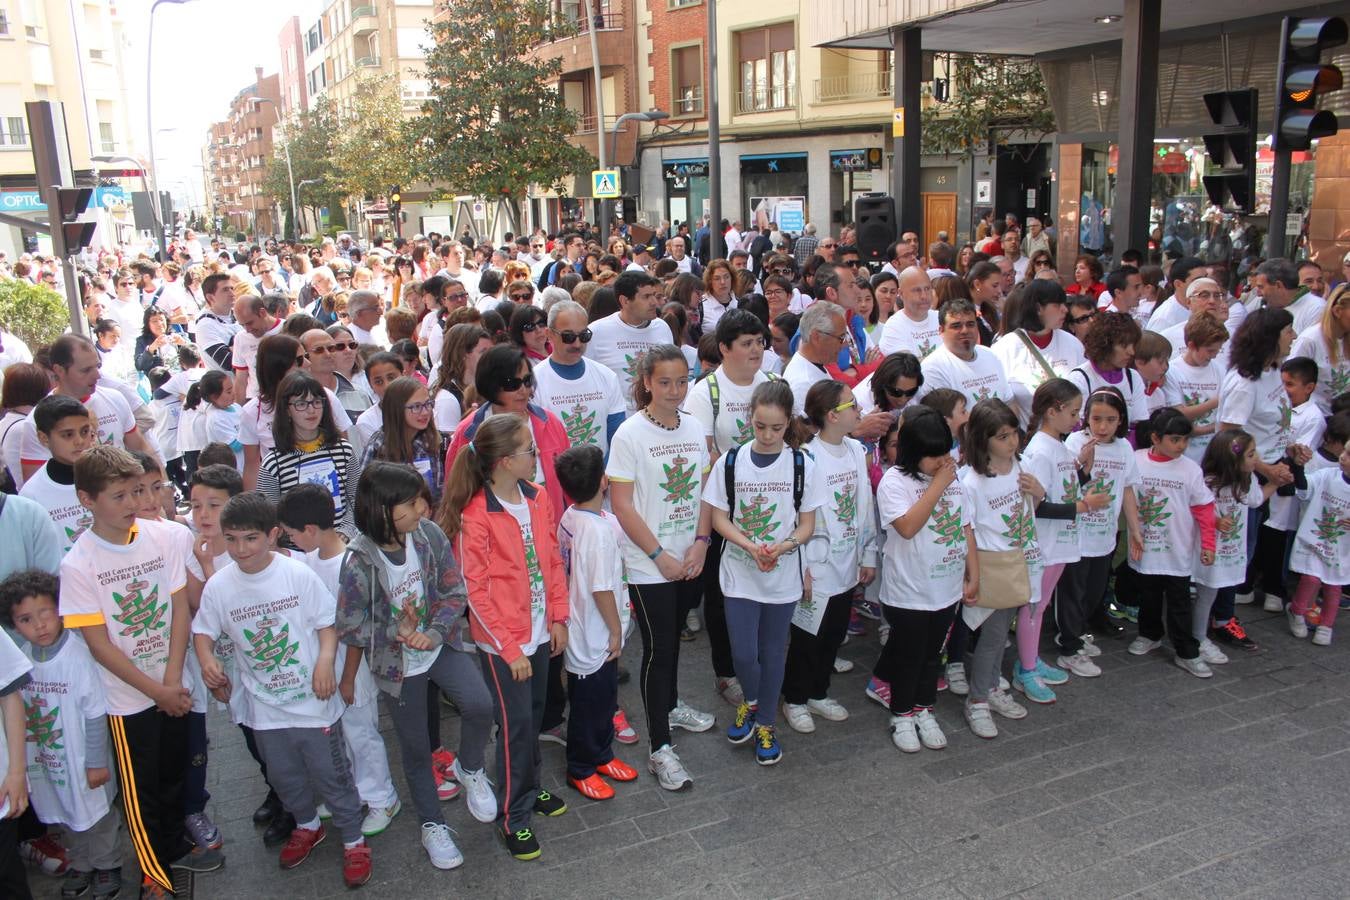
column 75, row 884
column 1233, row 635
column 270, row 809
column 548, row 805
column 107, row 883
column 522, row 844
column 1105, row 625
column 279, row 832
column 199, row 859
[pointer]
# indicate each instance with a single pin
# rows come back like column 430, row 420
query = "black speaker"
column 874, row 222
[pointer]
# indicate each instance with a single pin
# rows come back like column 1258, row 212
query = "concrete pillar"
column 1138, row 109
column 905, row 187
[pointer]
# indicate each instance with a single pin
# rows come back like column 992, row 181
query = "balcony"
column 586, row 124
column 367, row 62
column 573, row 17
column 363, row 19
column 863, row 86
column 767, row 99
column 688, row 103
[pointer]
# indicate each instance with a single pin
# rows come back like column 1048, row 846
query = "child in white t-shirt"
column 68, row 760
column 222, row 413
column 307, row 517
column 64, row 427
column 765, row 523
column 1321, row 554
column 280, row 617
column 14, row 674
column 1176, row 512
column 588, row 539
column 1193, row 380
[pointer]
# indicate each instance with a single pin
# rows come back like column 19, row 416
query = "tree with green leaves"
column 495, row 122
column 311, row 137
column 370, row 147
column 990, row 98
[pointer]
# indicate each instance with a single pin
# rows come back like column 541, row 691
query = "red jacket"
column 550, row 437
column 492, row 554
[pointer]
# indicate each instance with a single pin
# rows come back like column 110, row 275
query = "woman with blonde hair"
column 516, row 271
column 1328, row 344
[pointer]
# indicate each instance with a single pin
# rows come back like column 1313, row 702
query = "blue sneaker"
column 743, row 725
column 767, row 751
column 1030, row 684
column 1049, row 674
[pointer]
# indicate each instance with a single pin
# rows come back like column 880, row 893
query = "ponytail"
column 1052, row 394
column 494, row 441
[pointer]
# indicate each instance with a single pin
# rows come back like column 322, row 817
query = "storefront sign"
column 31, row 201
column 788, row 212
column 855, row 160
column 898, row 122
column 685, row 169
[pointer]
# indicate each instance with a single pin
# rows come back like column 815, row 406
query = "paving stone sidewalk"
column 1145, row 782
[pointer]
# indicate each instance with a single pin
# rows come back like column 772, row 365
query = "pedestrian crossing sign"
column 605, row 184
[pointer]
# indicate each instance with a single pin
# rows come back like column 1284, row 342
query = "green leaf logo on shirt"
column 141, row 613
column 1101, row 485
column 41, row 727
column 581, row 427
column 1153, row 508
column 1021, row 528
column 756, row 518
column 1339, row 382
column 946, row 524
column 270, row 647
column 1226, row 525
column 1286, row 414
column 1071, row 489
column 1327, row 527
column 845, row 505
column 983, row 394
column 744, row 432
column 926, row 347
column 680, row 483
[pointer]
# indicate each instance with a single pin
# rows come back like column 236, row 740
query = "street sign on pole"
column 605, row 184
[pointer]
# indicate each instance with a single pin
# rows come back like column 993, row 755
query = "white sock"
column 312, row 825
column 347, row 845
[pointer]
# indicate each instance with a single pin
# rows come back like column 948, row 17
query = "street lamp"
column 150, row 119
column 290, row 173
column 651, row 115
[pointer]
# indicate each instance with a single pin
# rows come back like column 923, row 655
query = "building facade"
column 239, row 153
column 294, row 89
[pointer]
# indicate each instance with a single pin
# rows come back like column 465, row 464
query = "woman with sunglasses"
column 529, row 332
column 1081, row 311
column 353, row 391
column 892, row 386
column 504, row 382
column 1040, row 262
column 310, row 450
column 583, row 392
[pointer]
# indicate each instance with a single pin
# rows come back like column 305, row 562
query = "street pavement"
column 1146, row 782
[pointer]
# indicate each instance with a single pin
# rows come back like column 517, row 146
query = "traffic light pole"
column 51, row 165
column 1279, row 204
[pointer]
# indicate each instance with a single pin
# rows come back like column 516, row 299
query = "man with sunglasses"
column 619, row 340
column 961, row 363
column 583, row 393
column 642, row 259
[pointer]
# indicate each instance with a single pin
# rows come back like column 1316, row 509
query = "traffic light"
column 1232, row 149
column 77, row 220
column 1302, row 77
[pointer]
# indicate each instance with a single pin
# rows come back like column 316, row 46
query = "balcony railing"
column 862, row 86
column 689, row 102
column 586, row 124
column 765, row 99
column 364, row 9
column 363, row 19
column 573, row 17
column 367, row 62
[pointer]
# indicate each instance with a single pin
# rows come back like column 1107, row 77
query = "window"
column 768, row 67
column 106, row 137
column 4, row 22
column 13, row 132
column 686, row 72
column 95, row 54
column 679, row 4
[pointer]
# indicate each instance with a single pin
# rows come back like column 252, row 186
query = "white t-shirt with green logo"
column 846, row 520
column 538, row 595
column 1230, row 538
column 1056, row 468
column 584, row 404
column 406, row 589
column 1188, row 385
column 620, row 346
column 731, row 426
column 928, row 570
column 903, row 333
column 1113, row 470
column 67, row 513
column 273, row 618
column 1322, row 543
column 1166, row 493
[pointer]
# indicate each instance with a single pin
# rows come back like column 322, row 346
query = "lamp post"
column 651, row 115
column 150, row 118
column 290, row 173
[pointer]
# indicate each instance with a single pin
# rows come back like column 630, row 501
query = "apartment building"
column 238, row 155
column 294, row 87
column 383, row 38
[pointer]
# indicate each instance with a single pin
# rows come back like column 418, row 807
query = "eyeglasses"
column 302, row 358
column 514, row 384
column 520, row 297
column 310, row 403
column 1079, row 320
column 900, row 393
column 532, row 450
column 322, row 351
column 536, row 246
column 457, row 296
column 531, row 326
column 850, row 263
column 830, row 246
column 845, row 405
column 837, row 337
column 571, row 337
column 339, row 346
column 343, row 276
column 425, row 406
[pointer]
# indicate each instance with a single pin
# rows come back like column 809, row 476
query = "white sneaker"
column 829, row 709
column 730, row 690
column 930, row 732
column 1273, row 604
column 1211, row 654
column 1322, row 636
column 883, row 633
column 980, row 722
column 440, row 846
column 690, row 719
column 323, row 812
column 842, row 665
column 1090, row 646
column 1197, row 667
column 378, row 819
column 956, row 679
column 1003, row 684
column 1002, row 703
column 692, row 623
column 668, row 769
column 1244, row 599
column 478, row 793
column 904, row 735
column 1298, row 626
column 1142, row 645
column 799, row 718
column 1080, row 664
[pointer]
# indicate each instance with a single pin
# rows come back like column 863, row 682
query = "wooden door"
column 939, row 214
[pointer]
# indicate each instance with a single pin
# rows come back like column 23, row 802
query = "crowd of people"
column 313, row 482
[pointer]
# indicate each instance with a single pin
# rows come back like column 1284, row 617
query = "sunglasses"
column 1079, row 320
column 850, row 264
column 457, row 297
column 514, row 384
column 900, row 394
column 531, row 326
column 532, row 450
column 520, row 297
column 343, row 345
column 571, row 337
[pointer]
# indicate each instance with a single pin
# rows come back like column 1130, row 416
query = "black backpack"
column 798, row 478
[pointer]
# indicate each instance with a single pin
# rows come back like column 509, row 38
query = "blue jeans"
column 759, row 642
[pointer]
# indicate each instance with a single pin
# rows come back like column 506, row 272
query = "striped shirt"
column 334, row 466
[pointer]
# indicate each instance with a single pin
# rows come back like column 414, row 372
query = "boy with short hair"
column 280, row 617
column 588, row 539
column 66, row 430
column 1151, row 356
column 307, row 516
column 124, row 586
column 1193, row 380
column 15, row 672
column 67, row 735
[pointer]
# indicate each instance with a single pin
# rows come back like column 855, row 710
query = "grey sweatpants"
column 95, row 848
column 457, row 674
column 986, row 663
column 303, row 763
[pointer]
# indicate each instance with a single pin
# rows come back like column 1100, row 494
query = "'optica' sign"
column 31, row 201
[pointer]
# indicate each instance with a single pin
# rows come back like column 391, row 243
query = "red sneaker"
column 624, row 732
column 594, row 787
column 444, row 761
column 302, row 840
column 618, row 770
column 446, row 788
column 46, row 853
column 356, row 865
